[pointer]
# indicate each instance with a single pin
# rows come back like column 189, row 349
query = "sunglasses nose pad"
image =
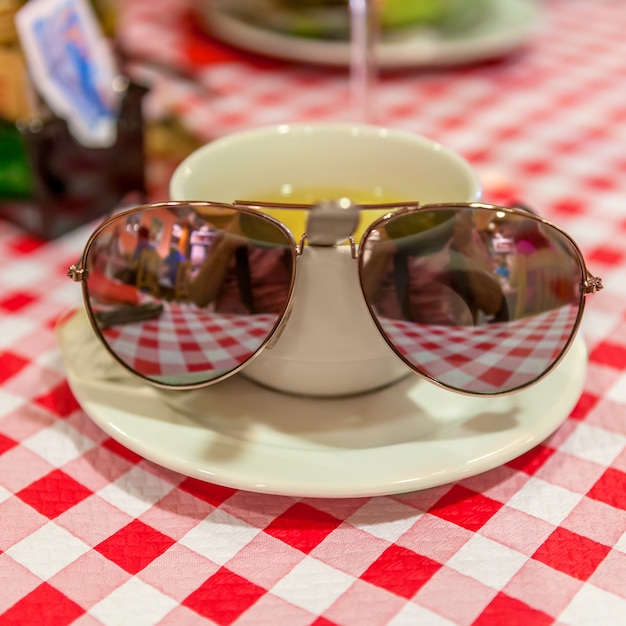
column 331, row 221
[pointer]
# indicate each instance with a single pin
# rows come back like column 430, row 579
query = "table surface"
column 94, row 534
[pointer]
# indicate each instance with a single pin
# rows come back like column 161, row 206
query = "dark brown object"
column 72, row 184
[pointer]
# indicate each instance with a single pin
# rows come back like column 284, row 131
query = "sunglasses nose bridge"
column 331, row 222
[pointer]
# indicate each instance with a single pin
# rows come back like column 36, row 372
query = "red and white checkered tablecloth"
column 93, row 534
column 489, row 356
column 185, row 339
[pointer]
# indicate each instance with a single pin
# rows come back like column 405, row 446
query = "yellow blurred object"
column 168, row 138
column 106, row 12
column 8, row 9
column 17, row 97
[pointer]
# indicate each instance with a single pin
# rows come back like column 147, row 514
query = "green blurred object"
column 329, row 19
column 396, row 13
column 16, row 180
column 446, row 15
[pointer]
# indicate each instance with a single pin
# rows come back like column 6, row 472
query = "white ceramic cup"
column 330, row 345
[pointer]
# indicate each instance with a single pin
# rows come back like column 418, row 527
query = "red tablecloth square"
column 213, row 494
column 466, row 508
column 6, row 443
column 17, row 301
column 45, row 606
column 570, row 553
column 506, row 610
column 11, row 364
column 135, row 546
column 25, row 244
column 401, row 571
column 532, row 460
column 611, row 488
column 610, row 353
column 569, row 207
column 601, row 183
column 224, row 596
column 188, row 345
column 606, row 255
column 120, row 450
column 322, row 621
column 303, row 527
column 532, row 167
column 585, row 403
column 496, row 376
column 59, row 400
column 149, row 341
column 54, row 494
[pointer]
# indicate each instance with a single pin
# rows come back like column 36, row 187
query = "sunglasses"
column 476, row 298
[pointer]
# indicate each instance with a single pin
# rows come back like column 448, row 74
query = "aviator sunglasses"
column 476, row 298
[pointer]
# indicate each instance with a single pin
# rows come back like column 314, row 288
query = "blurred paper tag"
column 72, row 66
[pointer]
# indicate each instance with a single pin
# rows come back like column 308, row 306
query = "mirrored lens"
column 185, row 294
column 480, row 300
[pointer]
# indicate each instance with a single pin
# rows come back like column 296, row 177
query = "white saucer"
column 410, row 436
column 508, row 25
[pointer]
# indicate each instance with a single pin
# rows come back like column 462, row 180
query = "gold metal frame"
column 78, row 272
column 589, row 283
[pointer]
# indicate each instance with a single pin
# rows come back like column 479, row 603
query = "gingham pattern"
column 483, row 359
column 93, row 534
column 185, row 339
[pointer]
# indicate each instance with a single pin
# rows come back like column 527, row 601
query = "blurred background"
column 198, row 69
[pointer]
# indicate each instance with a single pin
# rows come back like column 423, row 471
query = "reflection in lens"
column 185, row 294
column 479, row 300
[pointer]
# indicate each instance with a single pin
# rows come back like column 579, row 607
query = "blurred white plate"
column 508, row 25
column 406, row 437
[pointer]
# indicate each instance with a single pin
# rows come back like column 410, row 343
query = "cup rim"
column 176, row 190
column 316, row 365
